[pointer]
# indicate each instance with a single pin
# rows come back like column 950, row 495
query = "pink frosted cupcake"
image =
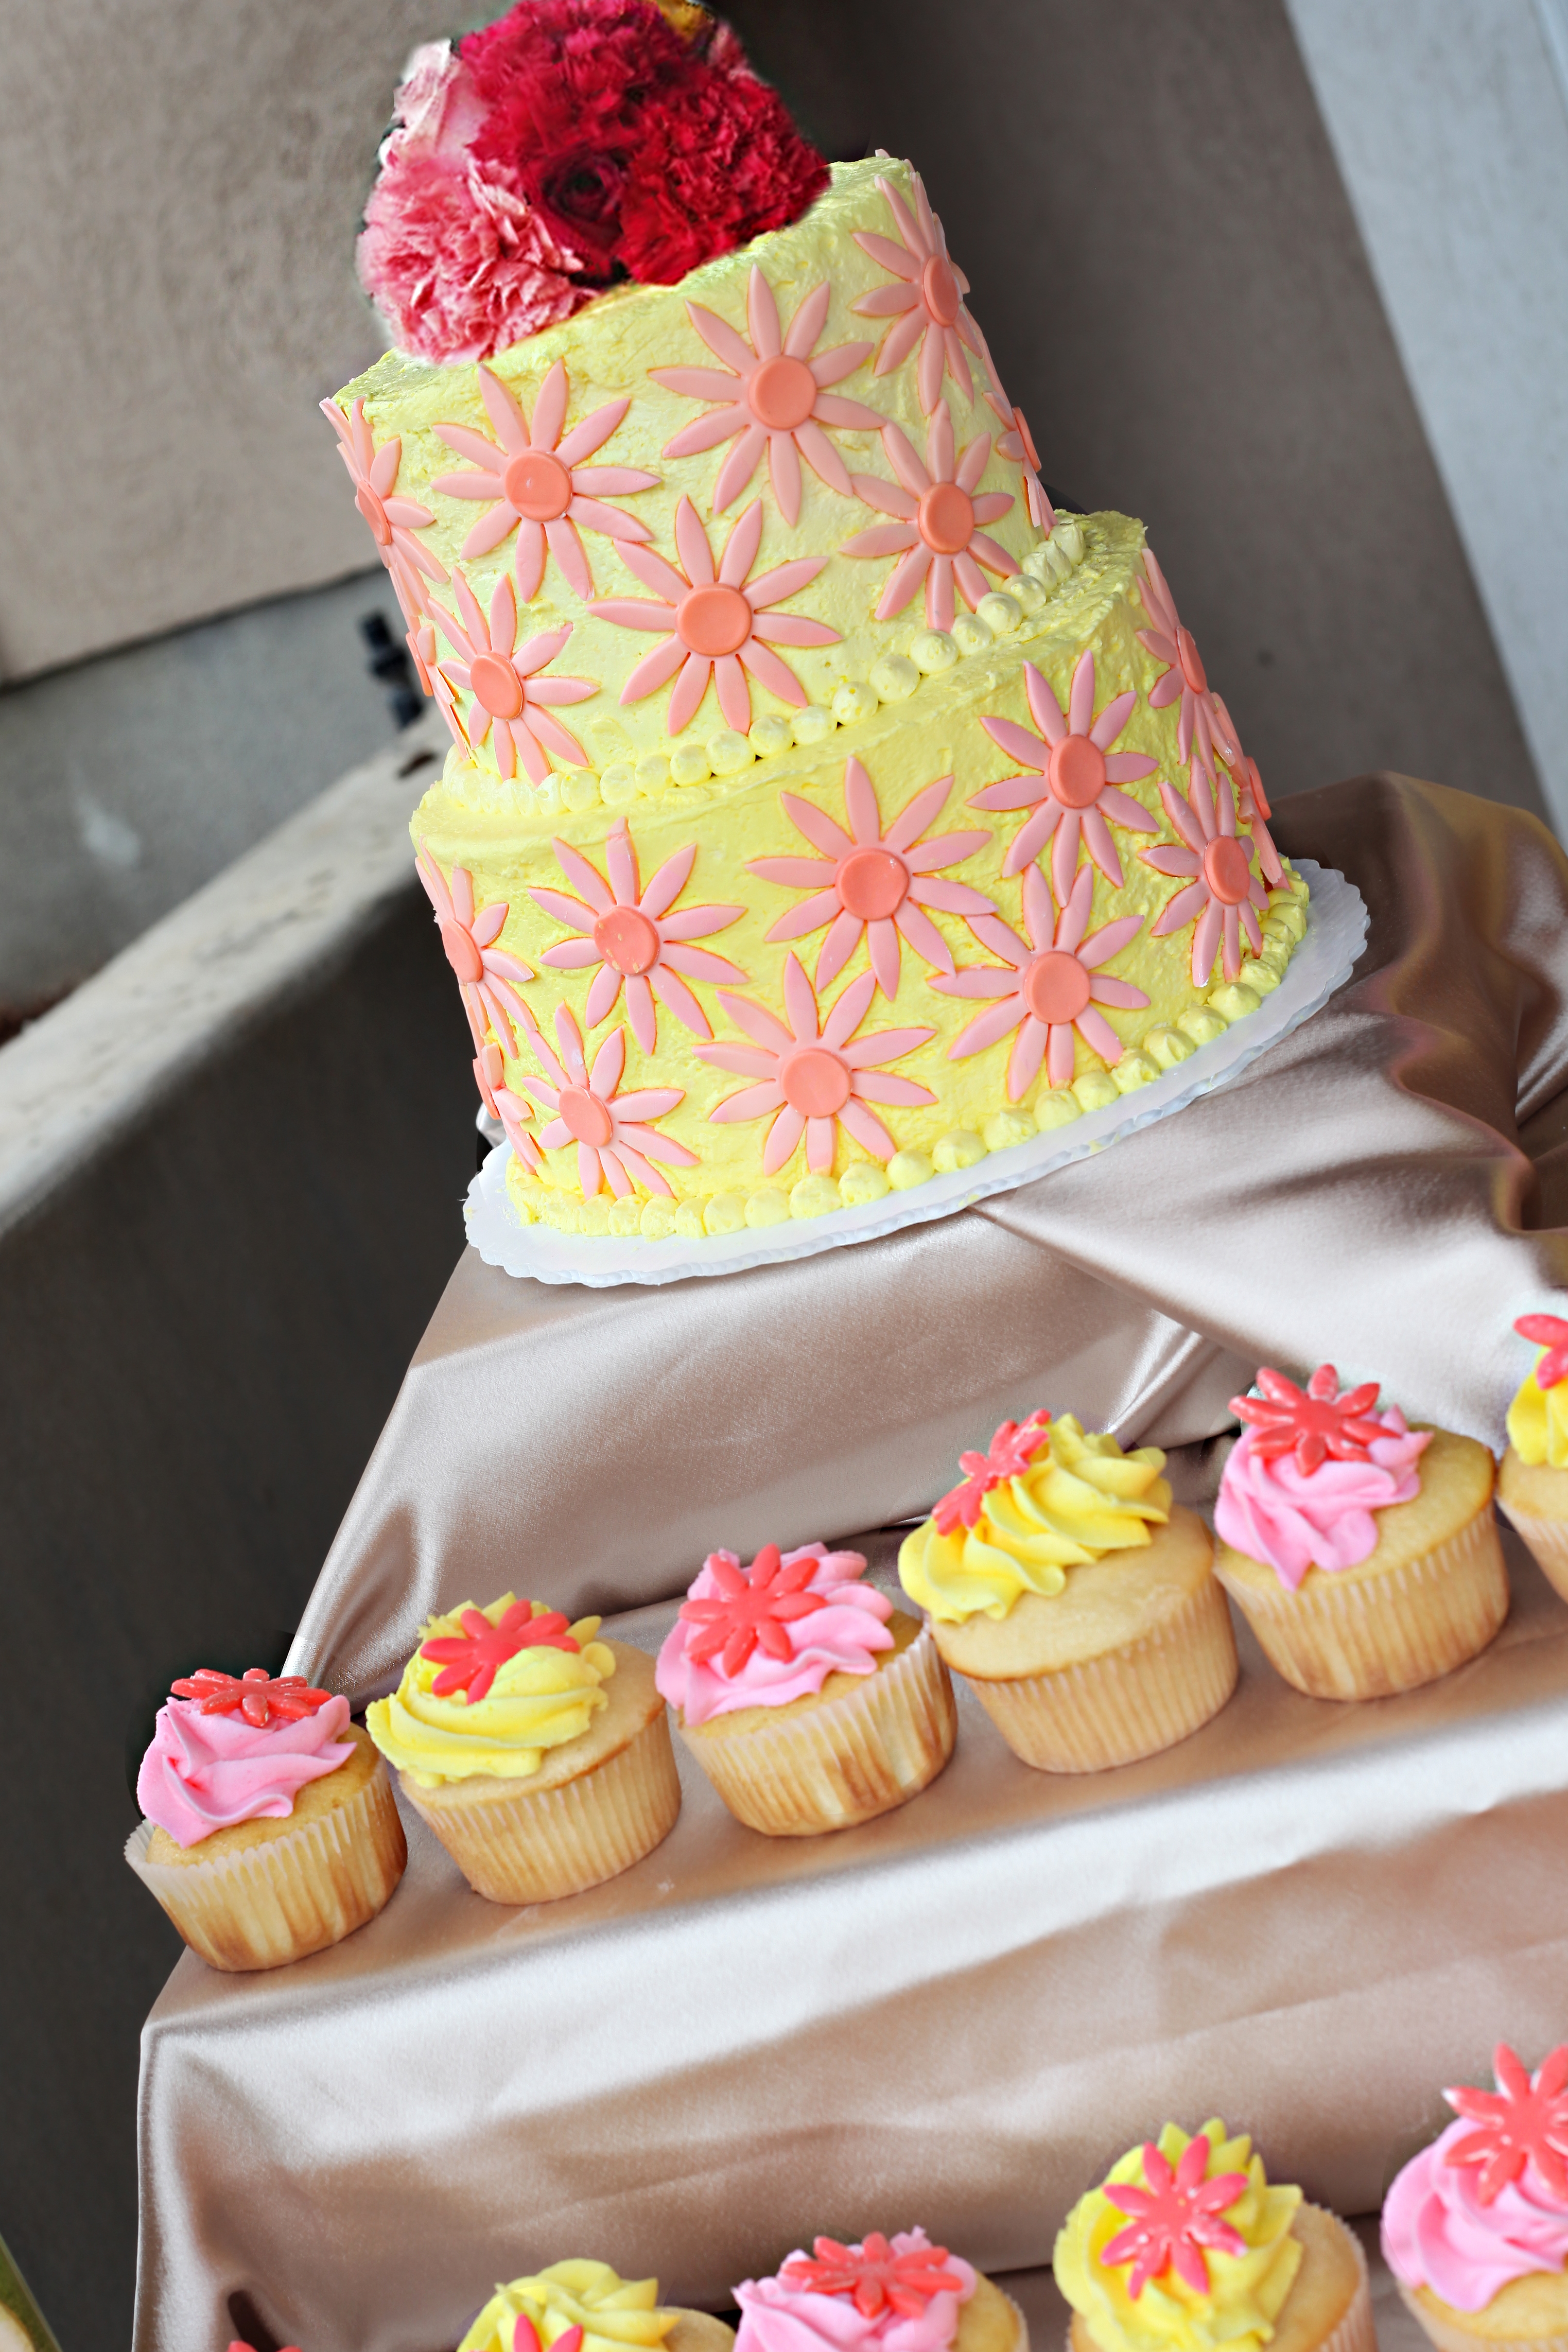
column 897, row 2294
column 1475, row 2228
column 1364, row 1553
column 808, row 1699
column 271, row 1828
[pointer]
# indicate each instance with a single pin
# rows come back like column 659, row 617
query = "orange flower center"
column 939, row 288
column 1226, row 871
column 1077, row 772
column 584, row 1115
column 872, row 884
column 714, row 621
column 627, row 939
column 782, row 392
column 497, row 686
column 815, row 1081
column 538, row 486
column 946, row 519
column 1055, row 986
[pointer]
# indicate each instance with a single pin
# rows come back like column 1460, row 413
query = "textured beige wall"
column 180, row 182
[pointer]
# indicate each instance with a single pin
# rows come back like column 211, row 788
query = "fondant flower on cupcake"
column 1048, row 988
column 939, row 510
column 536, row 483
column 767, row 1635
column 1176, row 2211
column 873, row 884
column 1223, row 895
column 773, row 395
column 1186, row 680
column 485, row 973
column 1308, row 1470
column 392, row 521
column 815, row 1078
column 926, row 300
column 1070, row 777
column 719, row 620
column 501, row 679
column 632, row 936
column 615, row 1145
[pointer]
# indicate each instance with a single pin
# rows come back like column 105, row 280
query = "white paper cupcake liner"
column 534, row 1846
column 842, row 1761
column 1337, row 1637
column 309, row 1885
column 1131, row 1703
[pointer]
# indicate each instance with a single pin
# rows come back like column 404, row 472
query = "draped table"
column 1305, row 1917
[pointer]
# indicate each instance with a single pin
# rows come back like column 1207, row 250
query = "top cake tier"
column 737, row 496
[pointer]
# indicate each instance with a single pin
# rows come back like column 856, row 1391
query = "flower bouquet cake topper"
column 572, row 144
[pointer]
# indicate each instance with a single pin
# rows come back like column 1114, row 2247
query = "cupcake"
column 902, row 2293
column 272, row 1829
column 1475, row 2228
column 584, row 2308
column 1533, row 1484
column 808, row 1700
column 1184, row 2245
column 1348, row 1604
column 539, row 1756
column 1073, row 1597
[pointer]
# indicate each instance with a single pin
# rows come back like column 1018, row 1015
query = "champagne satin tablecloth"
column 1308, row 1917
column 1381, row 1191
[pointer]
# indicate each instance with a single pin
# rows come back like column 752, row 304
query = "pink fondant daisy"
column 1048, row 988
column 392, row 521
column 632, row 936
column 937, row 531
column 926, row 300
column 873, row 883
column 425, row 654
column 1251, row 801
column 615, row 1143
column 511, row 1112
column 814, row 1077
column 538, row 484
column 501, row 678
column 719, row 620
column 775, row 397
column 1222, row 898
column 1018, row 444
column 1174, row 2218
column 484, row 972
column 1185, row 677
column 1071, row 778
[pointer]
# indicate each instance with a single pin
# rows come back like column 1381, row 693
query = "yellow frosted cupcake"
column 539, row 1756
column 808, row 1699
column 271, row 1830
column 1073, row 1597
column 1533, row 1484
column 1364, row 1553
column 1184, row 2246
column 581, row 2306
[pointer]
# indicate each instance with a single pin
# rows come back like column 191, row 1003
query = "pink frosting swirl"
column 1437, row 2233
column 840, row 1638
column 203, row 1772
column 778, row 2316
column 1293, row 1521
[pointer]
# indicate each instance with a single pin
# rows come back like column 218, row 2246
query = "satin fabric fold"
column 1381, row 1191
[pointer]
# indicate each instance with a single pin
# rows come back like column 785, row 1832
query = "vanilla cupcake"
column 808, row 1700
column 271, row 1830
column 1185, row 2245
column 1074, row 1597
column 539, row 1756
column 1364, row 1553
column 582, row 2306
column 1475, row 2228
column 901, row 2292
column 1533, row 1484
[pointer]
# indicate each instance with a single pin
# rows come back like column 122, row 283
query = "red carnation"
column 717, row 163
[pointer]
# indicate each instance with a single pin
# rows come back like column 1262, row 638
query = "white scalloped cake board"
column 1335, row 935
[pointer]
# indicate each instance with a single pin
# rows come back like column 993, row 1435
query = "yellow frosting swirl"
column 1538, row 1422
column 541, row 1698
column 612, row 2312
column 1079, row 1498
column 1246, row 2290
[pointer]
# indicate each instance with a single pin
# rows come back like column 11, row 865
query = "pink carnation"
column 459, row 265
